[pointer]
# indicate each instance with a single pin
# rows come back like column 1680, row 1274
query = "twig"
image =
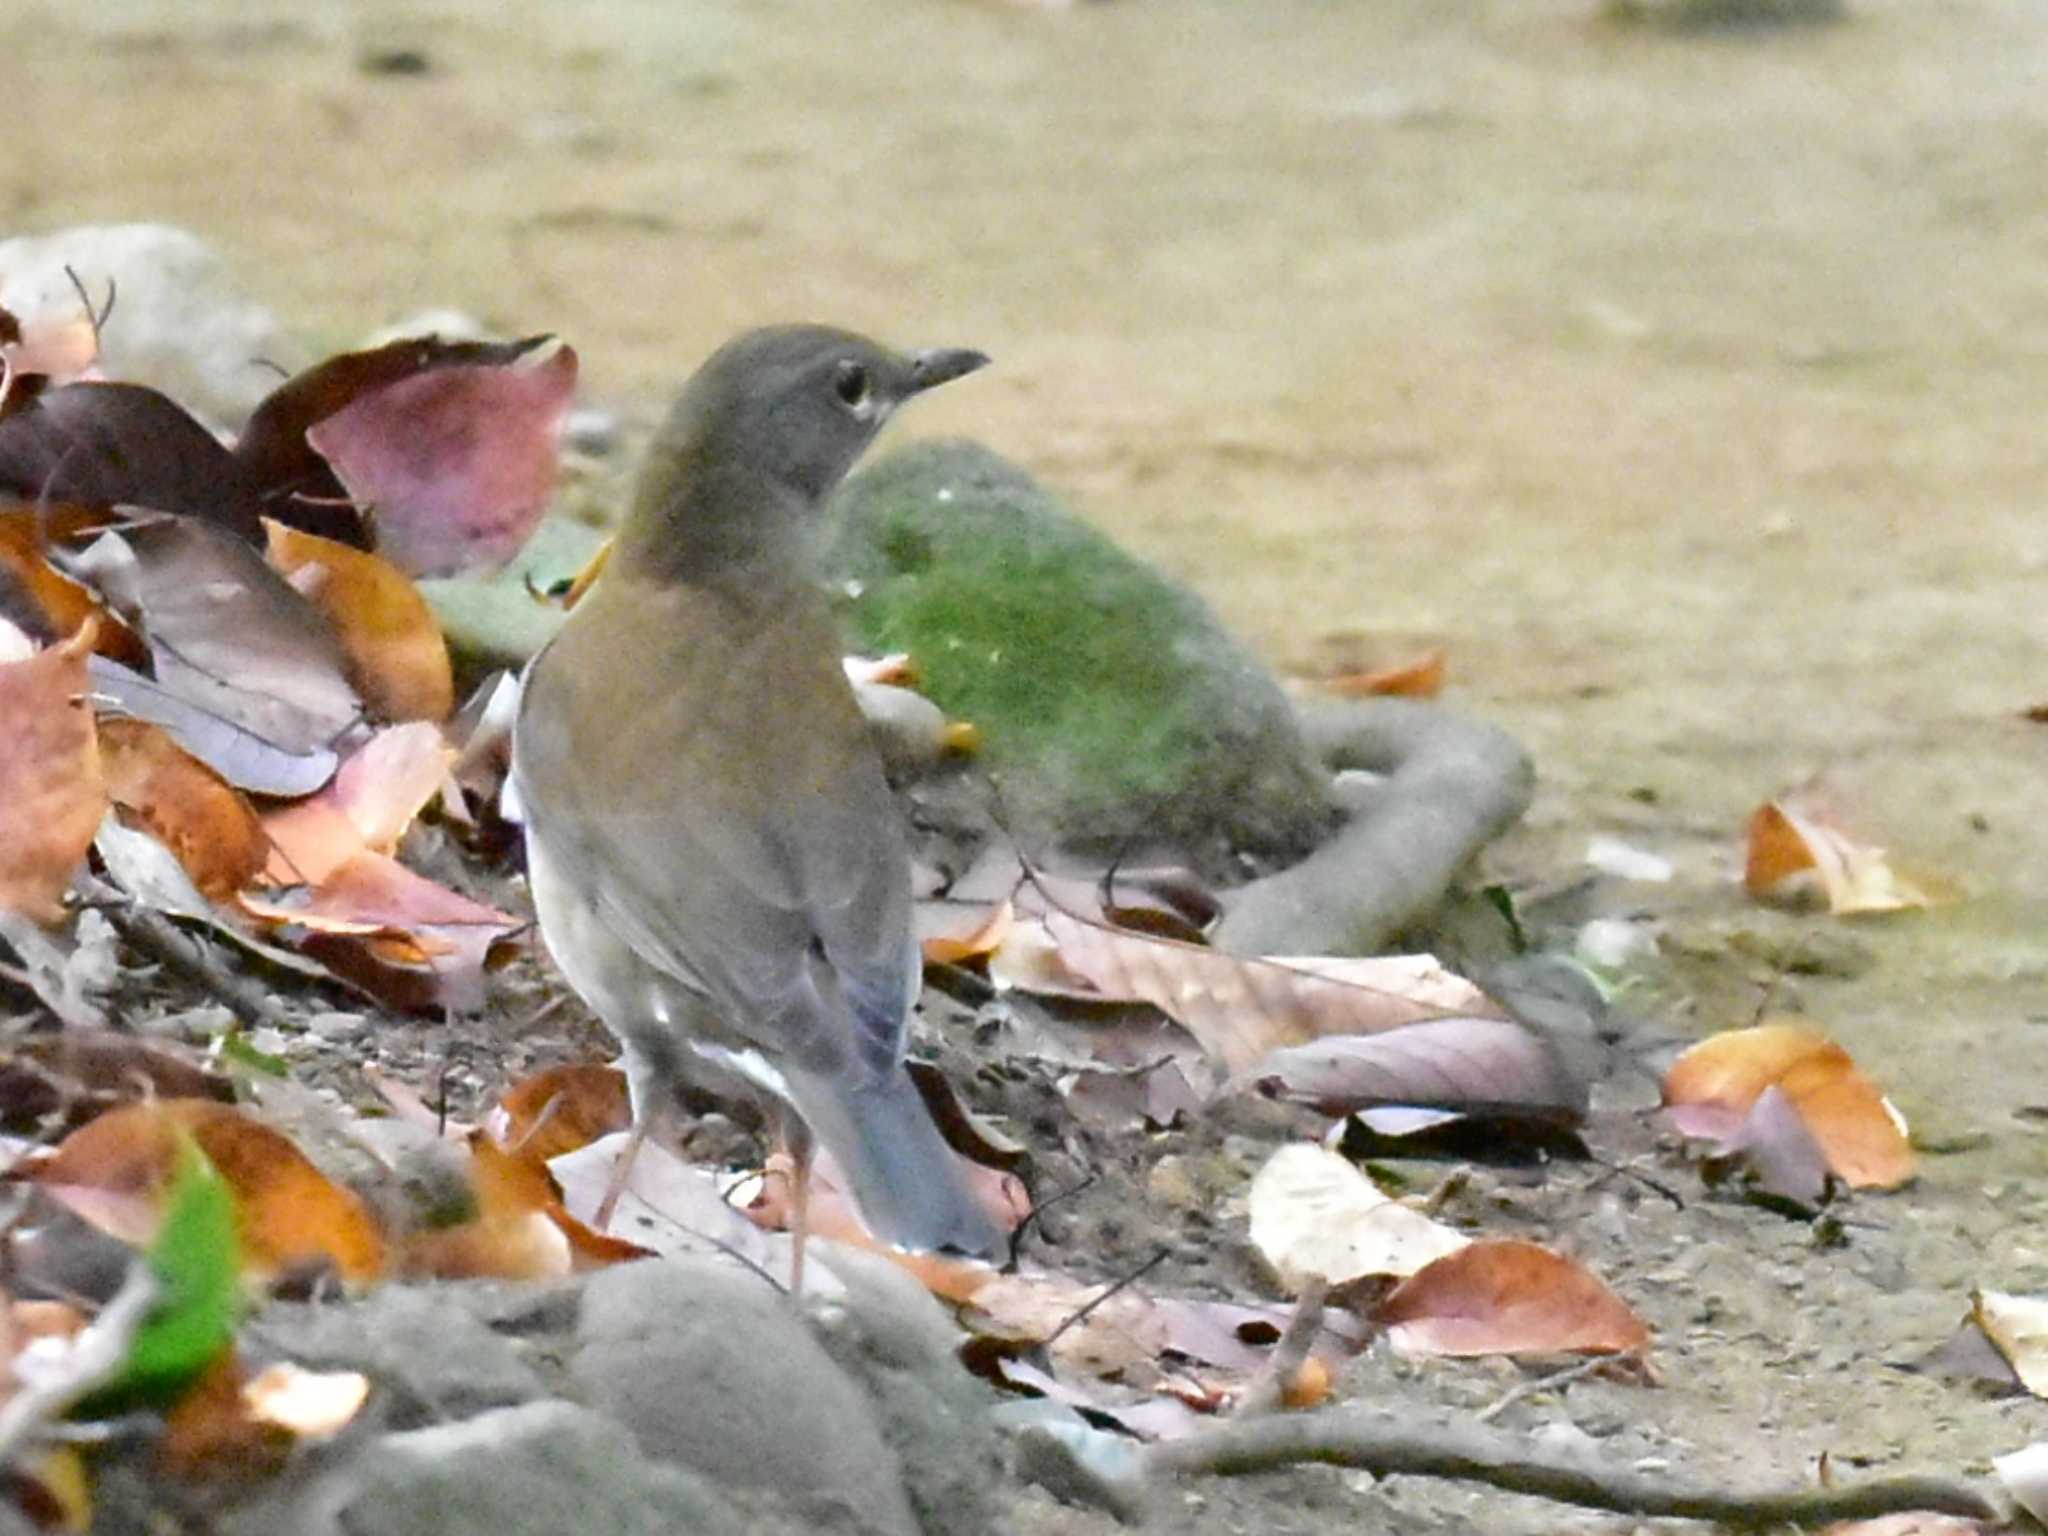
column 157, row 936
column 1543, row 1383
column 1374, row 1442
column 93, row 1358
column 1108, row 1291
column 1268, row 1392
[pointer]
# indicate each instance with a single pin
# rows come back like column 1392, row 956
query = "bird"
column 716, row 860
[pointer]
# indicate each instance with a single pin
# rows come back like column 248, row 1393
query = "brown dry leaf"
column 1313, row 1213
column 397, row 657
column 1420, row 677
column 2018, row 1326
column 38, row 597
column 512, row 1235
column 1711, row 1088
column 52, row 795
column 1506, row 1297
column 1484, row 1065
column 1123, row 1334
column 414, row 943
column 1795, row 850
column 1241, row 1009
column 205, row 821
column 116, row 1172
column 977, row 943
column 556, row 1111
column 80, row 1073
column 375, row 795
column 53, row 1487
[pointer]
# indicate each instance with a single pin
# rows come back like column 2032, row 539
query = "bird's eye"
column 851, row 384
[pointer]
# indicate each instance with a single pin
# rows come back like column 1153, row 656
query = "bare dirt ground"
column 1686, row 388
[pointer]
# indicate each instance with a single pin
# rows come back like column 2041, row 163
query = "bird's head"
column 765, row 429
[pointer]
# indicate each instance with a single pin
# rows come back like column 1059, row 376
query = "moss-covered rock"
column 1116, row 712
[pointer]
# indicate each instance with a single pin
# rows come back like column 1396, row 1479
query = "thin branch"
column 93, row 1358
column 1376, row 1443
column 1268, row 1392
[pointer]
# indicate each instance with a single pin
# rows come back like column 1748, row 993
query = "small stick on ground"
column 161, row 939
column 1374, row 1442
column 1543, row 1383
column 1268, row 1392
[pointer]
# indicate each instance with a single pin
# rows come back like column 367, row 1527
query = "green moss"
column 1100, row 687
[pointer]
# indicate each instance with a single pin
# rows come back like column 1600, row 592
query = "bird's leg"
column 622, row 1170
column 797, row 1137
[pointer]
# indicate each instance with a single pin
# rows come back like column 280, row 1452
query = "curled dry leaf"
column 455, row 464
column 1121, row 1334
column 1313, row 1213
column 1506, row 1297
column 225, row 632
column 117, row 1171
column 512, row 1233
column 107, row 445
column 552, row 1113
column 1712, row 1087
column 978, row 942
column 1796, row 851
column 375, row 795
column 52, row 795
column 1241, row 1009
column 1419, row 677
column 203, row 820
column 39, row 598
column 2018, row 1326
column 1460, row 1063
column 397, row 657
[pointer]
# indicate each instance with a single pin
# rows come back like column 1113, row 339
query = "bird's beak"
column 941, row 365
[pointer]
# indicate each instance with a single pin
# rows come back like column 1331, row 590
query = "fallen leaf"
column 224, row 631
column 116, row 1172
column 1240, row 1009
column 2018, row 1326
column 1710, row 1089
column 397, row 658
column 239, row 755
column 373, row 798
column 455, row 463
column 104, row 444
column 1313, row 1213
column 311, row 1404
column 1506, row 1297
column 80, row 1073
column 1795, row 850
column 37, row 597
column 977, row 943
column 51, row 792
column 1420, row 677
column 511, row 1233
column 554, row 1112
column 184, row 805
column 1470, row 1064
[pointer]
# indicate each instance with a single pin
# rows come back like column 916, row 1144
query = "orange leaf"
column 559, row 1110
column 512, row 1236
column 1710, row 1088
column 977, row 943
column 1420, row 677
column 25, row 532
column 372, row 800
column 1795, row 848
column 183, row 804
column 1506, row 1297
column 116, row 1173
column 52, row 795
column 397, row 657
column 210, row 1432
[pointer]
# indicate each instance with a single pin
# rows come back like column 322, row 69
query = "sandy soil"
column 1686, row 388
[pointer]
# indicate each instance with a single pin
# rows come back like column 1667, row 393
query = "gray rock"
column 544, row 1469
column 887, row 1331
column 430, row 1356
column 712, row 1369
column 180, row 324
column 1117, row 713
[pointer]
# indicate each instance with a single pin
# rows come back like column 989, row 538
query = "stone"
column 711, row 1369
column 1117, row 714
column 423, row 1347
column 543, row 1469
column 180, row 324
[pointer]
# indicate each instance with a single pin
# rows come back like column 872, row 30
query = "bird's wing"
column 741, row 836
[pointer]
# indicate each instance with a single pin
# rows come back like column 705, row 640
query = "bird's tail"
column 909, row 1184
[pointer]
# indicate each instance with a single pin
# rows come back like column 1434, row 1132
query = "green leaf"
column 195, row 1261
